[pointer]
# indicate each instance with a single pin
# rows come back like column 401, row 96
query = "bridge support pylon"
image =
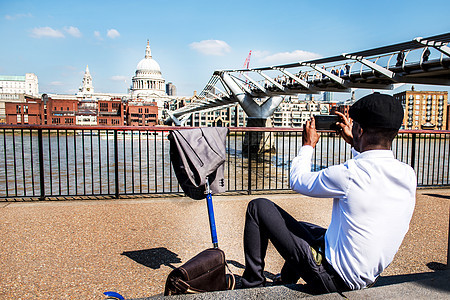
column 257, row 144
column 258, row 115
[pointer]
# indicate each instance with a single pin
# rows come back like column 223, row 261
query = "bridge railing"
column 42, row 162
column 398, row 61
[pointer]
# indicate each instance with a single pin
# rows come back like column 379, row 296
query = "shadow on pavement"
column 436, row 280
column 438, row 196
column 154, row 258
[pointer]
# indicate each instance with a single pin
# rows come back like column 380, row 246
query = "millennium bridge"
column 259, row 91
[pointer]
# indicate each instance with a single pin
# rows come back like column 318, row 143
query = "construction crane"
column 247, row 63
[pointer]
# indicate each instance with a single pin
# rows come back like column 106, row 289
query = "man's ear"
column 361, row 131
column 358, row 129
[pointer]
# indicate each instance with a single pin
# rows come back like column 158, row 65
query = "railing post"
column 249, row 155
column 116, row 163
column 413, row 151
column 41, row 165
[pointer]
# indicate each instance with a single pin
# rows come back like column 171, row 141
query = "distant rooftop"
column 12, row 78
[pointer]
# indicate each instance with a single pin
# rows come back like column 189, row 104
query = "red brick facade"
column 110, row 113
column 142, row 114
column 114, row 112
column 342, row 109
column 29, row 112
column 61, row 111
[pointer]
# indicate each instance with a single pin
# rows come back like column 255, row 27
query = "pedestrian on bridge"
column 400, row 58
column 373, row 202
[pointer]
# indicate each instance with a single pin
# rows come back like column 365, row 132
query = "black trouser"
column 267, row 221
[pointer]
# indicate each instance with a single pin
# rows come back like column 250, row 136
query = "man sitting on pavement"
column 373, row 201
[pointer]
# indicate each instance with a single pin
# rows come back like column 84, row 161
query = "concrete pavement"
column 80, row 249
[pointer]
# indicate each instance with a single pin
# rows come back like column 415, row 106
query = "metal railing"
column 67, row 161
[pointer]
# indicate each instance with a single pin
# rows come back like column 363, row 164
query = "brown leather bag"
column 205, row 272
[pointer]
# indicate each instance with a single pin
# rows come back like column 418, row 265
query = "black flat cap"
column 377, row 111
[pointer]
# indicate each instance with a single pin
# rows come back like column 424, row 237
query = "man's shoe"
column 277, row 280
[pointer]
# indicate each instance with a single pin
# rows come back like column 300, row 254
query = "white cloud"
column 39, row 32
column 258, row 54
column 18, row 16
column 73, row 31
column 98, row 35
column 284, row 57
column 119, row 78
column 211, row 47
column 56, row 83
column 112, row 33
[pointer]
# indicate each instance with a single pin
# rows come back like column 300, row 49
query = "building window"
column 103, row 121
column 103, row 106
column 25, row 109
column 68, row 120
column 18, row 109
column 56, row 121
column 25, row 119
column 19, row 119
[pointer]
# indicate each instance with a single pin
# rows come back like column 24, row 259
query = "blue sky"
column 191, row 39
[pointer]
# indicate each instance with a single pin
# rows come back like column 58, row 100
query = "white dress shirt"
column 374, row 198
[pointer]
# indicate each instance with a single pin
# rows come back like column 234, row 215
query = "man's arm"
column 330, row 182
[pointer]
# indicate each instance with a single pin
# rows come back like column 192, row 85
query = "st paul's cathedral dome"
column 148, row 80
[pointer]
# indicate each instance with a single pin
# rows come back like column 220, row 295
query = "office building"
column 424, row 110
column 14, row 89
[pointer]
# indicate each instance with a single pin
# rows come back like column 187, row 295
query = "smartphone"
column 326, row 122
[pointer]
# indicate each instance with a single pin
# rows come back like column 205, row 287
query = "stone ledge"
column 432, row 285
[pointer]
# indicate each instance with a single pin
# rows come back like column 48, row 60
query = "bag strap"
column 232, row 284
column 183, row 287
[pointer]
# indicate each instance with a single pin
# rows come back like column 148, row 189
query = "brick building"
column 424, row 109
column 142, row 114
column 111, row 112
column 342, row 108
column 21, row 113
column 61, row 111
column 50, row 111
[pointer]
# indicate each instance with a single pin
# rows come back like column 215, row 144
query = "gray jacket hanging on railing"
column 197, row 154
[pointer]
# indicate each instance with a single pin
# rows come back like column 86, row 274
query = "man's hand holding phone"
column 310, row 136
column 345, row 128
